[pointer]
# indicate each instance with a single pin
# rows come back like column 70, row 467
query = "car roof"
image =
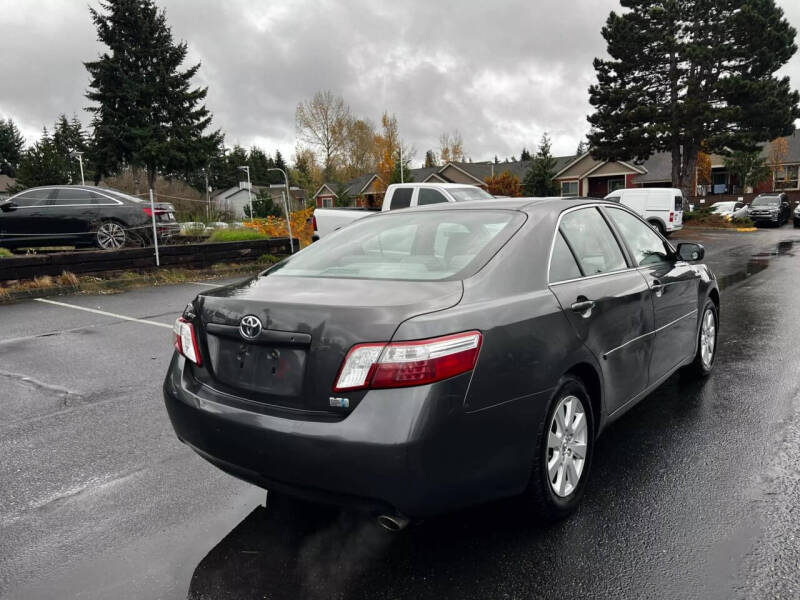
column 554, row 204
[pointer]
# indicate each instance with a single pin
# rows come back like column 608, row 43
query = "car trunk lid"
column 307, row 327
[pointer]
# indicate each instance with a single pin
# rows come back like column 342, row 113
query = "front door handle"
column 583, row 307
column 657, row 287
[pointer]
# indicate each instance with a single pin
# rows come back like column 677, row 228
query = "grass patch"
column 703, row 217
column 5, row 253
column 236, row 235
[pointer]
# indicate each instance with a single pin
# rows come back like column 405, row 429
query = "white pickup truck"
column 398, row 195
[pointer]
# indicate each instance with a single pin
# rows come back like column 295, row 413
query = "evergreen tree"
column 683, row 72
column 263, row 206
column 750, row 168
column 496, row 160
column 43, row 164
column 69, row 137
column 525, row 155
column 146, row 113
column 581, row 149
column 539, row 178
column 395, row 175
column 12, row 145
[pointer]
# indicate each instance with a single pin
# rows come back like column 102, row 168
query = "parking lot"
column 693, row 494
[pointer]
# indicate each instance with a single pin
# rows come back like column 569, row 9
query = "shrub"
column 237, row 235
column 5, row 252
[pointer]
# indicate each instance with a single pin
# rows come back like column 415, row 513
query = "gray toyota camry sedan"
column 423, row 360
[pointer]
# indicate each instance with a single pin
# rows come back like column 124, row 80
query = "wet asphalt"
column 695, row 493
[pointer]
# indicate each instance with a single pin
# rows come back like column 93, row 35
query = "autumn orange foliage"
column 276, row 226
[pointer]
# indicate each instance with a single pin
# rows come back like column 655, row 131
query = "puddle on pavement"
column 757, row 263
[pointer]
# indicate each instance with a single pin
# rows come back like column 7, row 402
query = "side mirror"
column 691, row 252
column 7, row 206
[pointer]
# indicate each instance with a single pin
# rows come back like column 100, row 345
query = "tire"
column 110, row 235
column 796, row 224
column 554, row 498
column 702, row 364
column 658, row 227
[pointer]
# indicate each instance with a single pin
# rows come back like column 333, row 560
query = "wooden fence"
column 139, row 259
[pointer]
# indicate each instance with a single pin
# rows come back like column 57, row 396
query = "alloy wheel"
column 110, row 235
column 708, row 338
column 566, row 446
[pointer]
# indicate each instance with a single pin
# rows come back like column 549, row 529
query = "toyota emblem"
column 250, row 327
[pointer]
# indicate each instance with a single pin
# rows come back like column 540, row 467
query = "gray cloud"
column 501, row 73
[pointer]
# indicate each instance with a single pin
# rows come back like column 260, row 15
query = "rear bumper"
column 405, row 450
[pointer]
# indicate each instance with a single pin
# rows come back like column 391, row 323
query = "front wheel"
column 563, row 453
column 706, row 353
column 110, row 235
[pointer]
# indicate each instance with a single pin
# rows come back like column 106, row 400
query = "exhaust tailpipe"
column 394, row 522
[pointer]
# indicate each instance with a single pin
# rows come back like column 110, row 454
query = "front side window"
column 401, row 198
column 562, row 264
column 409, row 245
column 644, row 243
column 590, row 238
column 32, row 197
column 430, row 196
column 569, row 188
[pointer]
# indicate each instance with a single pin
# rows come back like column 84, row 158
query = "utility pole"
column 246, row 169
column 208, row 198
column 401, row 164
column 79, row 156
column 286, row 206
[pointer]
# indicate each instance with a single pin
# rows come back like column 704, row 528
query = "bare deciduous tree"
column 451, row 147
column 322, row 122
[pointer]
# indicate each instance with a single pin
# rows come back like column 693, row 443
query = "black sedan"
column 81, row 215
column 427, row 359
column 770, row 209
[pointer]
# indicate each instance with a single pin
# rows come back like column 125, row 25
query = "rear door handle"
column 583, row 307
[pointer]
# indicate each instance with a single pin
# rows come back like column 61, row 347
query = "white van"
column 661, row 207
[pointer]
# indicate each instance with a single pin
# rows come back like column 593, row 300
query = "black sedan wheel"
column 564, row 453
column 110, row 235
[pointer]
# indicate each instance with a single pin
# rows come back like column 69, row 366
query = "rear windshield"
column 766, row 201
column 469, row 193
column 423, row 245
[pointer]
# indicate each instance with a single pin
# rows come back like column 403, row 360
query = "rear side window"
column 562, row 263
column 68, row 197
column 429, row 196
column 591, row 240
column 401, row 198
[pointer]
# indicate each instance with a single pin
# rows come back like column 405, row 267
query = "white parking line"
column 205, row 284
column 102, row 312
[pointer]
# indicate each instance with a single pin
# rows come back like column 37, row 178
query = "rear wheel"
column 110, row 235
column 703, row 361
column 564, row 446
column 658, row 227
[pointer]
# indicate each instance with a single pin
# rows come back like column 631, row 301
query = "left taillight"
column 405, row 364
column 186, row 340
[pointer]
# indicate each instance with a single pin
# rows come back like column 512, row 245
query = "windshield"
column 424, row 245
column 469, row 193
column 720, row 206
column 766, row 201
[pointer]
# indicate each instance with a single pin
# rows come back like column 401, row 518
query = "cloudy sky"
column 500, row 72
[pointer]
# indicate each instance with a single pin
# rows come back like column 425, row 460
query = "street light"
column 79, row 156
column 286, row 206
column 246, row 169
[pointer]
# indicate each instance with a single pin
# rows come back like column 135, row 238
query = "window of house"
column 327, row 202
column 569, row 188
column 786, row 177
column 616, row 184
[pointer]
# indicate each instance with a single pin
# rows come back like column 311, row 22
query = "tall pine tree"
column 538, row 180
column 12, row 145
column 688, row 71
column 43, row 164
column 146, row 112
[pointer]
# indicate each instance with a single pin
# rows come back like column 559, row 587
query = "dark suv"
column 770, row 208
column 81, row 216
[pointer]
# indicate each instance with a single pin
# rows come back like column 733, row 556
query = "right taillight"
column 186, row 340
column 314, row 222
column 405, row 364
